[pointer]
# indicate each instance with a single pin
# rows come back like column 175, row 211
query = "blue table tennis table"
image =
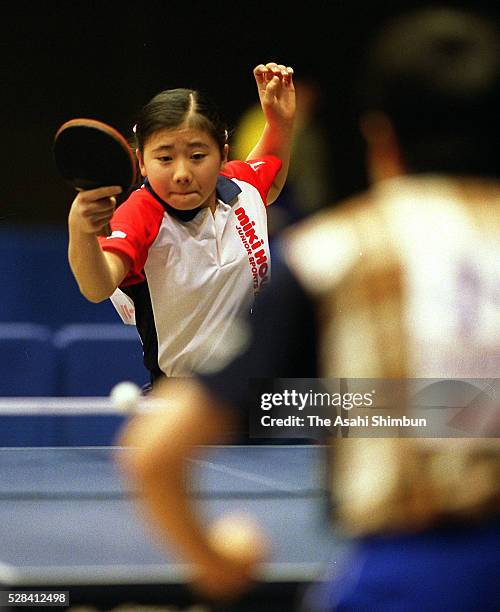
column 69, row 521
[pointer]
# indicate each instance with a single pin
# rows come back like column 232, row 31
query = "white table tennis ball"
column 125, row 396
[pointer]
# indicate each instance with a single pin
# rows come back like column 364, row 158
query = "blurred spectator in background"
column 310, row 180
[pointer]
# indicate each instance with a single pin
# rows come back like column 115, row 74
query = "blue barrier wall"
column 37, row 285
column 28, row 362
column 94, row 357
column 84, row 359
column 40, row 307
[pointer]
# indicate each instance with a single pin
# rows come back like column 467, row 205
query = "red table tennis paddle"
column 91, row 154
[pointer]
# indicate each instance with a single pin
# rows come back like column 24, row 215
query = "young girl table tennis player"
column 190, row 247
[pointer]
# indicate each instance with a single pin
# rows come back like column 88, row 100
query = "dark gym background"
column 105, row 59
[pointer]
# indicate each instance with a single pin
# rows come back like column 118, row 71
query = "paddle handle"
column 106, row 230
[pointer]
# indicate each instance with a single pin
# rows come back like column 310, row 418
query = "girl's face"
column 182, row 166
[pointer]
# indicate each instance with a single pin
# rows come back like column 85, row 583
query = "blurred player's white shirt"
column 407, row 277
column 189, row 280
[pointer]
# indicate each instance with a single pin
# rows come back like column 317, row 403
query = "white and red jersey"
column 193, row 272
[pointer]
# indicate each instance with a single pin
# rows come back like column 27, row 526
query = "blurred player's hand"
column 92, row 210
column 239, row 545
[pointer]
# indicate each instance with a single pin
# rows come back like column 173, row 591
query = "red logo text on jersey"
column 257, row 258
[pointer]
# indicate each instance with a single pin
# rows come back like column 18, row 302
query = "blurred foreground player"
column 402, row 282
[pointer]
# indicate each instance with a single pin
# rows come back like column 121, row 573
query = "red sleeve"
column 258, row 172
column 134, row 227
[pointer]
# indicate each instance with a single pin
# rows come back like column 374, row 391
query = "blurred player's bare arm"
column 162, row 441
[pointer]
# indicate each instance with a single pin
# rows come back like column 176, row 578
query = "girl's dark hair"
column 175, row 107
